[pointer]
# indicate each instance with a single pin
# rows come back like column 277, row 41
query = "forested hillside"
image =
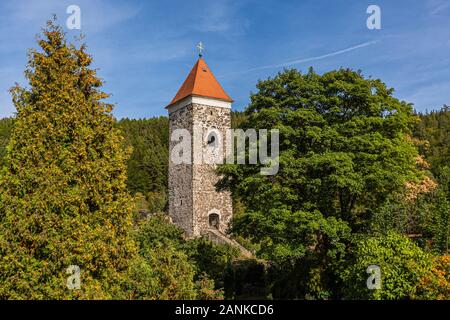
column 433, row 130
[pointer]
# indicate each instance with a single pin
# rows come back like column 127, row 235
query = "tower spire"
column 201, row 83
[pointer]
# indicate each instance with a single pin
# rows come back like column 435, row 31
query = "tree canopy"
column 345, row 146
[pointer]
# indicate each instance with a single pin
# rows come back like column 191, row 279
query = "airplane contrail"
column 293, row 62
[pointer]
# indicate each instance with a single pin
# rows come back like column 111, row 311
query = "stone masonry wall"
column 180, row 176
column 192, row 192
column 206, row 199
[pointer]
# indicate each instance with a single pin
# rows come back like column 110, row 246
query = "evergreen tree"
column 149, row 162
column 5, row 132
column 63, row 198
column 434, row 129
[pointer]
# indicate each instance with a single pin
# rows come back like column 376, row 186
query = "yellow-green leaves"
column 63, row 195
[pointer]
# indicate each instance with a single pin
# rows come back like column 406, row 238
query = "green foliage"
column 426, row 219
column 164, row 272
column 307, row 279
column 179, row 269
column 148, row 164
column 157, row 201
column 140, row 207
column 246, row 279
column 5, row 133
column 344, row 147
column 211, row 259
column 402, row 264
column 286, row 236
column 63, row 200
column 392, row 215
column 158, row 231
column 343, row 144
column 433, row 129
column 433, row 132
column 237, row 119
column 205, row 289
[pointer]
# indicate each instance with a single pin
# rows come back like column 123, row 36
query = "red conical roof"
column 201, row 82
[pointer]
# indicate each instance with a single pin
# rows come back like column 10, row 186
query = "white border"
column 198, row 100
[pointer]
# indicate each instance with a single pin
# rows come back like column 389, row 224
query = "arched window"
column 212, row 139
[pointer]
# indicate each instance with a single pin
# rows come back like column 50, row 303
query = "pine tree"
column 63, row 200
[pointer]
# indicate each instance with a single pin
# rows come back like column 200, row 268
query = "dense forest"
column 363, row 181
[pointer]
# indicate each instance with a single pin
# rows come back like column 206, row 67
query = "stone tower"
column 200, row 105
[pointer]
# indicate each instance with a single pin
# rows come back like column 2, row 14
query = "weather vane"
column 200, row 48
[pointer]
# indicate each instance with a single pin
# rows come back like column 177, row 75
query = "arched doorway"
column 214, row 220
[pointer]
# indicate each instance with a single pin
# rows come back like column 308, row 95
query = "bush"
column 402, row 264
column 171, row 267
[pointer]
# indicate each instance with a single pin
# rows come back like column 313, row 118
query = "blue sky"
column 145, row 49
